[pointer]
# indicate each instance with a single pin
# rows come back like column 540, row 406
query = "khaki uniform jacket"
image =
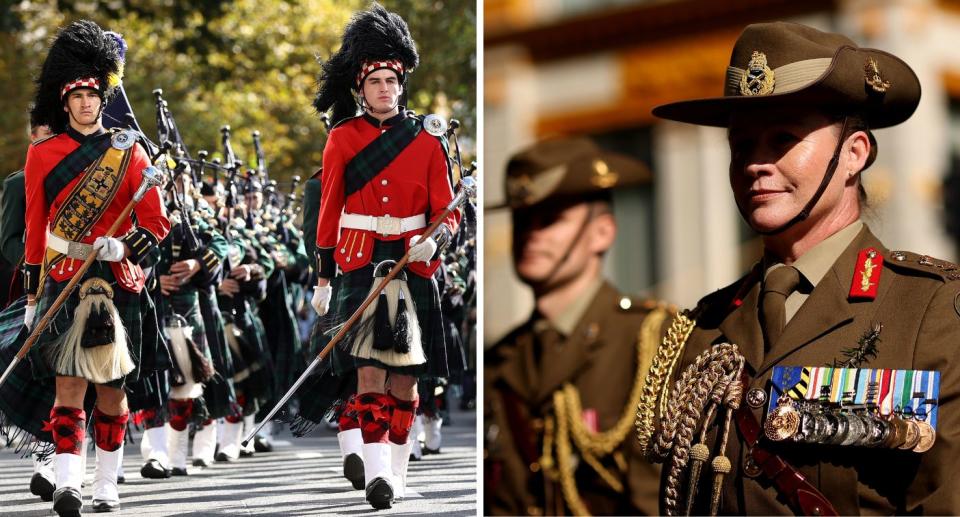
column 917, row 303
column 600, row 359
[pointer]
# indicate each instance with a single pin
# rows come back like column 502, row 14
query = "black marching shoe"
column 200, row 462
column 105, row 506
column 152, row 469
column 177, row 471
column 261, row 444
column 42, row 487
column 380, row 494
column 67, row 502
column 222, row 456
column 353, row 470
column 428, row 451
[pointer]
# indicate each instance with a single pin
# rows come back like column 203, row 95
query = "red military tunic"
column 416, row 182
column 152, row 221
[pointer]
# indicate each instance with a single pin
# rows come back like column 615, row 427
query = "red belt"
column 790, row 483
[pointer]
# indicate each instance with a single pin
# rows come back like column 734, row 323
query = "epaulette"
column 342, row 122
column 947, row 271
column 631, row 304
column 42, row 140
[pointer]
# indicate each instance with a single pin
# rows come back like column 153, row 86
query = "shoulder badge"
column 123, row 139
column 866, row 276
column 435, row 125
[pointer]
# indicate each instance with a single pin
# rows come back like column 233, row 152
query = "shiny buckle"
column 387, row 225
column 78, row 250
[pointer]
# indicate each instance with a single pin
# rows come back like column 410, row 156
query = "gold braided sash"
column 594, row 446
column 658, row 378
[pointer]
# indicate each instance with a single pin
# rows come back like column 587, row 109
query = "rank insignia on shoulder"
column 123, row 139
column 863, row 407
column 866, row 275
column 435, row 125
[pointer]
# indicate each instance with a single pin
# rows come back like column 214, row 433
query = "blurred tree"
column 248, row 63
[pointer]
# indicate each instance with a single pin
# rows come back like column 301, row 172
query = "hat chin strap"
column 368, row 108
column 573, row 242
column 827, row 177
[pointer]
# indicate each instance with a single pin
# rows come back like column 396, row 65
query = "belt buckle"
column 78, row 249
column 387, row 225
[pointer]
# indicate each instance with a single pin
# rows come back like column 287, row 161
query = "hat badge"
column 872, row 75
column 518, row 188
column 602, row 176
column 759, row 78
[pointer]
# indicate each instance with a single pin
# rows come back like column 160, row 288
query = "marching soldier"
column 77, row 183
column 824, row 381
column 561, row 389
column 12, row 229
column 389, row 177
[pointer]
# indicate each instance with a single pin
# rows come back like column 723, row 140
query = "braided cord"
column 711, row 380
column 658, row 378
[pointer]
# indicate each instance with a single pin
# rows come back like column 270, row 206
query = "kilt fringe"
column 396, row 295
column 23, row 442
column 99, row 364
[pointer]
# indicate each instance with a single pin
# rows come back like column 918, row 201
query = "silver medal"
column 434, row 125
column 123, row 139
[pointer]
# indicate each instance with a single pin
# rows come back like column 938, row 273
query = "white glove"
column 29, row 315
column 422, row 251
column 321, row 299
column 108, row 249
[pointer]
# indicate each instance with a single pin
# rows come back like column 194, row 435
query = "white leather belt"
column 385, row 225
column 77, row 250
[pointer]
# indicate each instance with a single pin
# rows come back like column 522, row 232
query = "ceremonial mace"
column 468, row 187
column 152, row 177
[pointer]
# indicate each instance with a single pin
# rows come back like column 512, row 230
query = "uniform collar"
column 80, row 137
column 816, row 262
column 566, row 322
column 389, row 122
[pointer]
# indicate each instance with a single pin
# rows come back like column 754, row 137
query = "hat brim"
column 832, row 92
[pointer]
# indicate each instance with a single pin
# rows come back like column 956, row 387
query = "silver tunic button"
column 756, row 397
column 383, row 182
column 385, row 199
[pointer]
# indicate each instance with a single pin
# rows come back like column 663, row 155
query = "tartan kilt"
column 349, row 291
column 284, row 337
column 337, row 378
column 24, row 402
column 133, row 308
column 218, row 392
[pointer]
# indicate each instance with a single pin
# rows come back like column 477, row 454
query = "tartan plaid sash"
column 367, row 164
column 74, row 163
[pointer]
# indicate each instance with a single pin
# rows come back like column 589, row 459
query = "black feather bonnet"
column 82, row 55
column 373, row 40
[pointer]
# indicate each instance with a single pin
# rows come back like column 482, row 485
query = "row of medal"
column 814, row 422
column 864, row 407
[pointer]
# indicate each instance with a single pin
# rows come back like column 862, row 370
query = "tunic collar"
column 386, row 123
column 80, row 137
column 566, row 322
column 814, row 264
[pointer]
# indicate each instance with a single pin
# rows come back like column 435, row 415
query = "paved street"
column 301, row 477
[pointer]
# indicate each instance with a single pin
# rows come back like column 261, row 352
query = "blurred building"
column 597, row 67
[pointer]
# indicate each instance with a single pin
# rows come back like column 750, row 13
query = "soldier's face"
column 382, row 90
column 83, row 106
column 777, row 162
column 553, row 245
